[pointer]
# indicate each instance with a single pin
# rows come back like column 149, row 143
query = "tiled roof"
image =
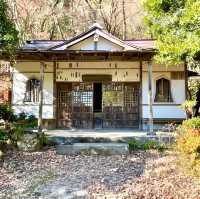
column 50, row 45
column 143, row 43
column 41, row 44
column 47, row 44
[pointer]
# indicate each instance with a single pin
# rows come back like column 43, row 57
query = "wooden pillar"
column 55, row 64
column 40, row 123
column 11, row 82
column 150, row 99
column 140, row 98
column 186, row 80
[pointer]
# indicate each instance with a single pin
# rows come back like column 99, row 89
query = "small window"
column 163, row 91
column 32, row 90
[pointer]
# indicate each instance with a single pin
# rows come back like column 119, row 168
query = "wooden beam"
column 40, row 115
column 151, row 132
column 80, row 56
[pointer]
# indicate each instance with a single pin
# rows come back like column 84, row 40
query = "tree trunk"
column 124, row 20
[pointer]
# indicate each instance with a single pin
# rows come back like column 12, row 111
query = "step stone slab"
column 93, row 149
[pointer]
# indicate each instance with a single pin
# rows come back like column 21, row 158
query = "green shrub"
column 187, row 104
column 27, row 120
column 193, row 85
column 6, row 113
column 3, row 135
column 193, row 123
column 134, row 145
column 150, row 144
column 147, row 145
column 32, row 121
column 16, row 134
column 43, row 141
column 21, row 116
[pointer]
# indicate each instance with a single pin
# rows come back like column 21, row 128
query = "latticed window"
column 163, row 91
column 32, row 90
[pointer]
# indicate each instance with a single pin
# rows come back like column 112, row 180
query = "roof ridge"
column 76, row 37
column 140, row 40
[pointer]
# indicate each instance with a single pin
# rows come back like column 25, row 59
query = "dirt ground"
column 140, row 175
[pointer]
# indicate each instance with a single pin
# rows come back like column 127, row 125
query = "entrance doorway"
column 97, row 105
column 97, row 98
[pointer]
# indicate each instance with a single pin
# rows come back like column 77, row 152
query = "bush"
column 188, row 145
column 6, row 113
column 193, row 85
column 188, row 104
column 193, row 123
column 27, row 120
column 190, row 127
column 14, row 125
column 3, row 136
column 147, row 145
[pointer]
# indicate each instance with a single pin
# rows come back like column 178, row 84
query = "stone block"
column 93, row 148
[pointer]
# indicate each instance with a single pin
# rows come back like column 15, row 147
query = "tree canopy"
column 8, row 33
column 175, row 24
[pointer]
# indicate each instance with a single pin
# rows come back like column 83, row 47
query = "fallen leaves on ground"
column 140, row 175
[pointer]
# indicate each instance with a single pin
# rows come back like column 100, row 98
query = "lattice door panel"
column 82, row 109
column 64, row 104
column 131, row 104
column 120, row 105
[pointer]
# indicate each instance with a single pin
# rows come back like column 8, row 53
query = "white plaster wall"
column 33, row 109
column 178, row 91
column 27, row 66
column 159, row 112
column 164, row 110
column 103, row 44
column 28, row 70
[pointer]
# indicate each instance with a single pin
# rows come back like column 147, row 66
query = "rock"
column 29, row 142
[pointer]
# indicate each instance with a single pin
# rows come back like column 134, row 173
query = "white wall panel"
column 19, row 89
column 164, row 112
column 33, row 109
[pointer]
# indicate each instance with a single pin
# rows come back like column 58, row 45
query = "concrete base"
column 93, row 148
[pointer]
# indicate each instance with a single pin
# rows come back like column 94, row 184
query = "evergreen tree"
column 8, row 33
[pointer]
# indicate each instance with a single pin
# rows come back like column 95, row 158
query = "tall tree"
column 176, row 26
column 8, row 33
column 63, row 19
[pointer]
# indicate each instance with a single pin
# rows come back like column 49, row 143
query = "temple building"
column 96, row 80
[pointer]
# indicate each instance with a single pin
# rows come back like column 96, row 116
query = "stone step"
column 93, row 148
column 62, row 140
